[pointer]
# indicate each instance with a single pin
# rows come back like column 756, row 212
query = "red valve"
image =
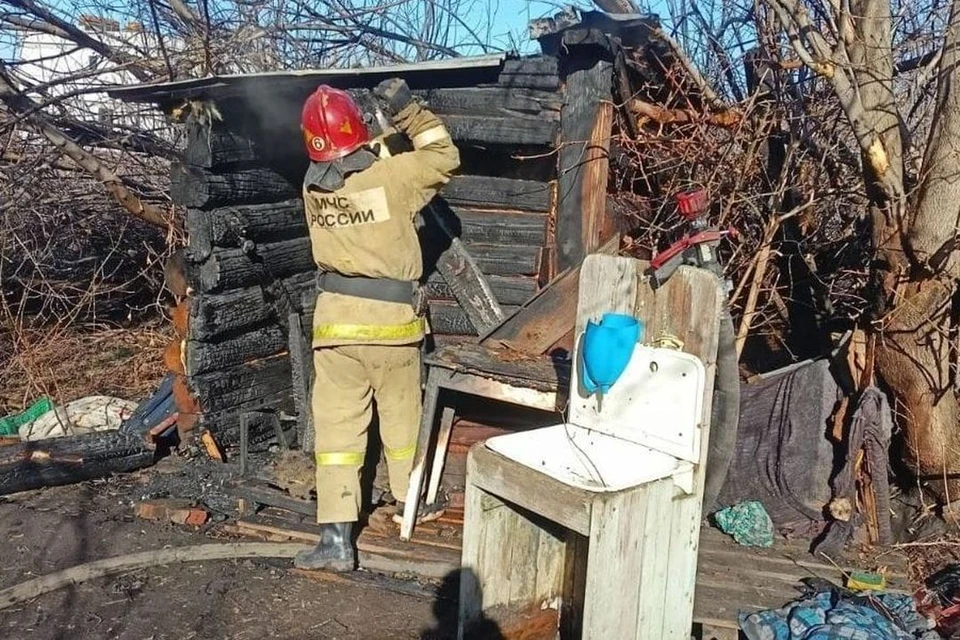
column 692, row 204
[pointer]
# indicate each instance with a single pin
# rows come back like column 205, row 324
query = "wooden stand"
column 538, row 383
column 619, row 564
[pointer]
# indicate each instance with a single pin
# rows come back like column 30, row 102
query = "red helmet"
column 332, row 125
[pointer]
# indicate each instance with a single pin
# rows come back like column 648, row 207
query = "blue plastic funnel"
column 606, row 349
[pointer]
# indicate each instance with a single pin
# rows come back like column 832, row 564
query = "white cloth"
column 93, row 413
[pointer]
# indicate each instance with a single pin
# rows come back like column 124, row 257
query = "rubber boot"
column 333, row 553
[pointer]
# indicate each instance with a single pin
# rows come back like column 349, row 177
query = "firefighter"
column 361, row 205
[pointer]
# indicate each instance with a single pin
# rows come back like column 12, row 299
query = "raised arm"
column 434, row 158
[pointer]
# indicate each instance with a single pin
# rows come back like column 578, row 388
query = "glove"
column 393, row 96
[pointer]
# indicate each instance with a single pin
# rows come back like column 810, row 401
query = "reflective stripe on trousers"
column 409, row 330
column 406, row 453
column 340, row 459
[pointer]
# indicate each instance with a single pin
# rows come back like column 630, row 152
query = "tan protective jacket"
column 367, row 228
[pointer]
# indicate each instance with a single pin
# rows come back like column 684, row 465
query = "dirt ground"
column 57, row 528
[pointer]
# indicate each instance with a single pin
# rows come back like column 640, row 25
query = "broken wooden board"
column 375, row 552
column 547, row 317
column 503, row 365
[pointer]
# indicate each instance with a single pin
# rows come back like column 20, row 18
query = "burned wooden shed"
column 529, row 201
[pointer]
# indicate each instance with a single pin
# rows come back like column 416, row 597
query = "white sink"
column 586, row 459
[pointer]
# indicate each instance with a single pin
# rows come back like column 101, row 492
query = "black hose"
column 725, row 413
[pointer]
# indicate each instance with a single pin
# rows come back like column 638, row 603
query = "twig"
column 760, row 271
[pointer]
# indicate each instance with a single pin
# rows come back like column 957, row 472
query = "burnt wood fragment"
column 582, row 170
column 265, row 341
column 203, row 189
column 522, row 131
column 492, row 101
column 70, row 459
column 497, row 193
column 236, row 268
column 240, row 385
column 230, row 226
column 508, row 290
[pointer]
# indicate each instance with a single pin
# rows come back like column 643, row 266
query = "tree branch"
column 694, row 74
column 18, row 103
column 932, row 236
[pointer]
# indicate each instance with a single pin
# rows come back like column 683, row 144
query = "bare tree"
column 910, row 166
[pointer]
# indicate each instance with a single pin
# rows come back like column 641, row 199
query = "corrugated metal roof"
column 227, row 85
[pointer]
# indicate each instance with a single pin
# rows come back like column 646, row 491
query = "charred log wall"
column 248, row 260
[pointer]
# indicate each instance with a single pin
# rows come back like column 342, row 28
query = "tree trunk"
column 915, row 357
column 912, row 358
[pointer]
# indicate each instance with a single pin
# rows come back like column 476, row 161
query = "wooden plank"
column 497, row 558
column 503, row 392
column 503, row 260
column 536, row 73
column 615, row 570
column 449, row 317
column 532, row 81
column 216, row 315
column 532, row 65
column 596, row 226
column 687, row 307
column 471, row 600
column 266, row 341
column 501, row 227
column 464, row 276
column 656, row 572
column 509, row 290
column 536, row 373
column 491, row 100
column 374, row 553
column 530, row 489
column 504, row 576
column 213, row 314
column 262, row 494
column 793, row 558
column 442, row 340
column 545, row 319
column 485, row 192
column 214, row 146
column 618, row 542
column 550, row 563
column 485, row 129
column 202, row 189
column 611, row 287
column 583, row 164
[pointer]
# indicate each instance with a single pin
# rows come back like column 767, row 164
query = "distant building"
column 78, row 73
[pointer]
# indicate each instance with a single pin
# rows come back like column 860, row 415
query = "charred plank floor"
column 730, row 578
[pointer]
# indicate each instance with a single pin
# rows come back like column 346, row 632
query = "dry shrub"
column 68, row 252
column 795, row 194
column 70, row 363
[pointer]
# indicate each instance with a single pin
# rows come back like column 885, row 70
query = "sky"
column 513, row 16
column 502, row 22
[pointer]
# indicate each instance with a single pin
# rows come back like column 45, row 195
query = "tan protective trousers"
column 348, row 379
